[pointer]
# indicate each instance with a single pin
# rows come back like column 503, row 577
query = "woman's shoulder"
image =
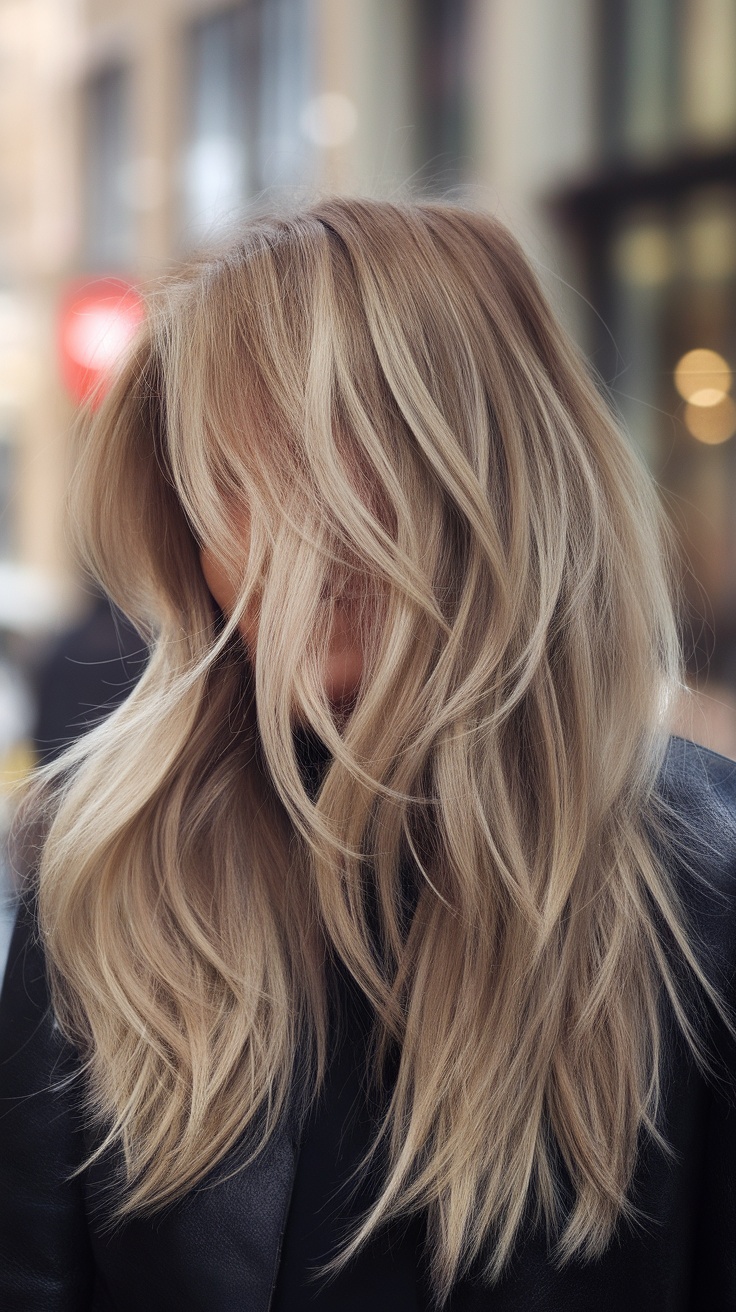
column 698, row 787
column 44, row 1248
column 695, row 775
column 27, row 1024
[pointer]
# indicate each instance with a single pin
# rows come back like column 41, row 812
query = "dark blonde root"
column 386, row 389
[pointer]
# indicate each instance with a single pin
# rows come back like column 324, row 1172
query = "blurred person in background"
column 379, row 949
column 64, row 688
column 89, row 670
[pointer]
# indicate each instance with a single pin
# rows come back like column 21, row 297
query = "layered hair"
column 386, row 391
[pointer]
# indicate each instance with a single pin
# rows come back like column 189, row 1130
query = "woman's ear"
column 217, row 580
column 225, row 593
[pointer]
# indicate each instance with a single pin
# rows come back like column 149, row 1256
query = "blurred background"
column 602, row 131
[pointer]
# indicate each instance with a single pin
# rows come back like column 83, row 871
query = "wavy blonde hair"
column 386, row 389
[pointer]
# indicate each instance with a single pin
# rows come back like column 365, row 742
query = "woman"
column 378, row 948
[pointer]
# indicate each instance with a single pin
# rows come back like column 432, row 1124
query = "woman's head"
column 364, row 424
column 361, row 431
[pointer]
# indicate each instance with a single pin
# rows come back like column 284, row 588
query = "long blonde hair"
column 386, row 389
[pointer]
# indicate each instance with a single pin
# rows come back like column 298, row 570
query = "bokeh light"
column 644, row 255
column 712, row 424
column 703, row 378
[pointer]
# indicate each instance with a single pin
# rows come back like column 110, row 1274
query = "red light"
column 97, row 322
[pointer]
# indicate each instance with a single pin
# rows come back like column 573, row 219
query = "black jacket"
column 218, row 1250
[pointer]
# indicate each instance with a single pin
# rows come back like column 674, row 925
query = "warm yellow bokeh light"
column 644, row 255
column 712, row 424
column 703, row 378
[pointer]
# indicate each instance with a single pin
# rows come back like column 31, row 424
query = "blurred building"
column 602, row 131
column 656, row 224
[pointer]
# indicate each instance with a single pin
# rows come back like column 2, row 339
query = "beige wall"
column 38, row 220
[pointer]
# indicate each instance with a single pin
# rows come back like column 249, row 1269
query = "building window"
column 668, row 74
column 442, row 75
column 673, row 286
column 219, row 161
column 250, row 76
column 109, row 229
column 285, row 156
column 640, row 75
